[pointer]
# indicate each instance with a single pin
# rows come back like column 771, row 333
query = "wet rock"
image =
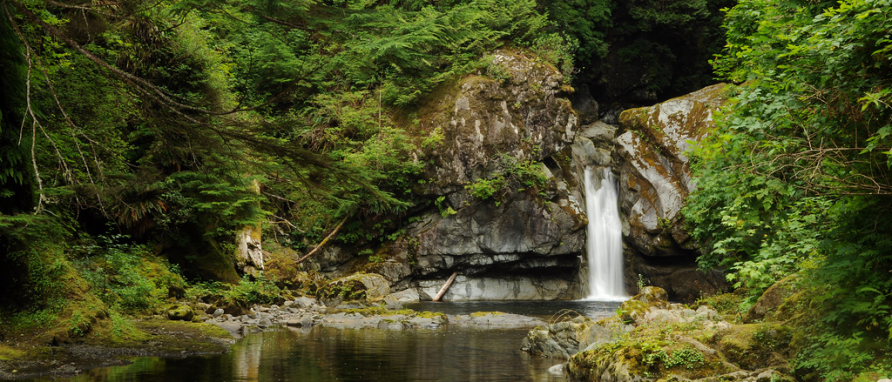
column 391, row 325
column 403, row 297
column 494, row 320
column 562, row 339
column 218, row 312
column 504, row 288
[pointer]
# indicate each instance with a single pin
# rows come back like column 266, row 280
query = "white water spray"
column 604, row 243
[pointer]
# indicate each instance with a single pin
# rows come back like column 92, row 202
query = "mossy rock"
column 8, row 353
column 632, row 310
column 359, row 286
column 652, row 295
column 348, row 290
column 180, row 312
column 771, row 300
column 753, row 346
column 725, row 304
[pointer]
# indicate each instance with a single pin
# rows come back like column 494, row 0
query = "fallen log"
column 445, row 287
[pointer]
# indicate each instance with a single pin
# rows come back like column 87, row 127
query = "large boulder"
column 655, row 172
column 655, row 180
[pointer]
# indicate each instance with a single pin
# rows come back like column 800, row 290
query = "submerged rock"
column 493, row 320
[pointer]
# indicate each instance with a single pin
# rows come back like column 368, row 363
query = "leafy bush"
column 128, row 276
column 514, row 175
column 246, row 293
column 797, row 176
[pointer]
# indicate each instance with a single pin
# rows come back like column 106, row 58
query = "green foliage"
column 485, row 189
column 15, row 175
column 128, row 277
column 445, row 209
column 689, row 358
column 246, row 293
column 513, row 175
column 797, row 176
column 260, row 291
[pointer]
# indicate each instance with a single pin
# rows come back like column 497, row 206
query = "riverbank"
column 214, row 333
column 20, row 358
column 651, row 339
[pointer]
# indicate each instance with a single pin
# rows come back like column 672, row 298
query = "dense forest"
column 137, row 138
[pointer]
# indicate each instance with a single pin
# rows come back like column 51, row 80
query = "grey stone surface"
column 503, row 288
column 655, row 173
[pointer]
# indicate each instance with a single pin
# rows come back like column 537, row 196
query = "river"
column 326, row 354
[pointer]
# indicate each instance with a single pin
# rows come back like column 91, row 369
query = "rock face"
column 518, row 109
column 655, row 172
column 524, row 242
column 655, row 179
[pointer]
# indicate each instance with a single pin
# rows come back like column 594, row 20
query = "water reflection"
column 545, row 310
column 323, row 354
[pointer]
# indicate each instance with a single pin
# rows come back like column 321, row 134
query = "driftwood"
column 324, row 241
column 445, row 287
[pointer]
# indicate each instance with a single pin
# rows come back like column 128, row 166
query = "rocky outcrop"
column 562, row 339
column 655, row 173
column 517, row 107
column 248, row 249
column 655, row 179
column 668, row 341
column 525, row 240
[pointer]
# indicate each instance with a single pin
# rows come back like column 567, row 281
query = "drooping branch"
column 143, row 85
column 29, row 112
column 324, row 241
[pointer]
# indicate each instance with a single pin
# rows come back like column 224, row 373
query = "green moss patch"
column 8, row 353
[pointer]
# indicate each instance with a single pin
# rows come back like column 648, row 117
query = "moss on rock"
column 180, row 312
column 753, row 346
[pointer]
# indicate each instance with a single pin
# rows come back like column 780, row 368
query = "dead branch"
column 324, row 241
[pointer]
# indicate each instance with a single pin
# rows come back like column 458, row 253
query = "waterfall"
column 604, row 246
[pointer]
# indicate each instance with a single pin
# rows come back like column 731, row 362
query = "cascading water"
column 604, row 246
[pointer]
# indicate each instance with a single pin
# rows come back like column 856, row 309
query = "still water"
column 325, row 354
